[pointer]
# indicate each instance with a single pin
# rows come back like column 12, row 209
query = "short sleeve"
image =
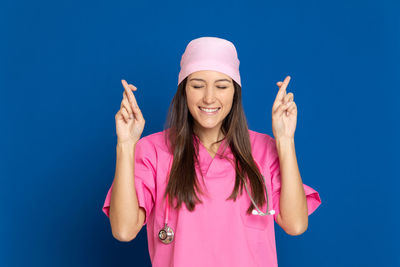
column 312, row 196
column 145, row 173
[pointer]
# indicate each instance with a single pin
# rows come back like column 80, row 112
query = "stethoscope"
column 166, row 234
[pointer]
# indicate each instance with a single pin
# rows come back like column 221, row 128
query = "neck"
column 208, row 136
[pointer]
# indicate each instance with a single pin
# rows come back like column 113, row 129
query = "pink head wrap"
column 210, row 53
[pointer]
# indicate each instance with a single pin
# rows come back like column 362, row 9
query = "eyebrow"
column 219, row 80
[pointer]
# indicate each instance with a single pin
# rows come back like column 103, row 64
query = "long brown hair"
column 183, row 185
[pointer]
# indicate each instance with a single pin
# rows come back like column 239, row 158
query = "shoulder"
column 262, row 146
column 154, row 141
column 258, row 138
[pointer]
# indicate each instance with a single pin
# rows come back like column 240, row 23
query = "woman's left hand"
column 284, row 112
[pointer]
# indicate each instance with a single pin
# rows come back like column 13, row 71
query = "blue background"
column 61, row 68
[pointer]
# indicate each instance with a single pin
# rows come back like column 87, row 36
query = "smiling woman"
column 189, row 178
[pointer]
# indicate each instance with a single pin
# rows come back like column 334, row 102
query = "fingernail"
column 131, row 116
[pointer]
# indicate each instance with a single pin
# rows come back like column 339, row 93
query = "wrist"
column 285, row 139
column 283, row 143
column 126, row 146
column 129, row 142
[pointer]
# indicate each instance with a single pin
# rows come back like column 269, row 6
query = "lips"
column 209, row 111
column 209, row 108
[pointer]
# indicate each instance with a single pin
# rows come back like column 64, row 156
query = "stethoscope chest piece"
column 166, row 235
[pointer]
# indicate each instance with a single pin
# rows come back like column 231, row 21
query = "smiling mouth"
column 209, row 110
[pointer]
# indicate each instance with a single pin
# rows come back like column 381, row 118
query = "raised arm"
column 126, row 217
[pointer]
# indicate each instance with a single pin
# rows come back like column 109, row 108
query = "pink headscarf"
column 210, row 53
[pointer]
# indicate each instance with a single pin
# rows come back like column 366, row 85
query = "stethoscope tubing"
column 166, row 234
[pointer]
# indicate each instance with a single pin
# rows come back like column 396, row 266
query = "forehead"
column 210, row 75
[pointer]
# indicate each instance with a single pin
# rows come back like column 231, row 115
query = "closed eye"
column 220, row 87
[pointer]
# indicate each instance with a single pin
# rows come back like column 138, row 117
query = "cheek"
column 227, row 101
column 191, row 102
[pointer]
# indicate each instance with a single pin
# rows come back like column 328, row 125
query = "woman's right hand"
column 129, row 120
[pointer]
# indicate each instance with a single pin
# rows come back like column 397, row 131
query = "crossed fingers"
column 282, row 97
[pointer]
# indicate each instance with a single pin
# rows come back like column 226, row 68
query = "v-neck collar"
column 203, row 151
column 206, row 160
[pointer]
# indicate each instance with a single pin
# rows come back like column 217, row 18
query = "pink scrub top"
column 218, row 232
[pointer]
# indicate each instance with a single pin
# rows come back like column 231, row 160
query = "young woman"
column 208, row 188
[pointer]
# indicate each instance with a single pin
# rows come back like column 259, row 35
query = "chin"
column 208, row 126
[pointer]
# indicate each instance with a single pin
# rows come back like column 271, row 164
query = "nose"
column 209, row 95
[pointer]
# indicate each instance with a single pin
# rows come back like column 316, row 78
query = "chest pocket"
column 253, row 221
column 258, row 222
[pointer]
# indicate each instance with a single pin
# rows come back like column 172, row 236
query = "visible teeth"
column 209, row 110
